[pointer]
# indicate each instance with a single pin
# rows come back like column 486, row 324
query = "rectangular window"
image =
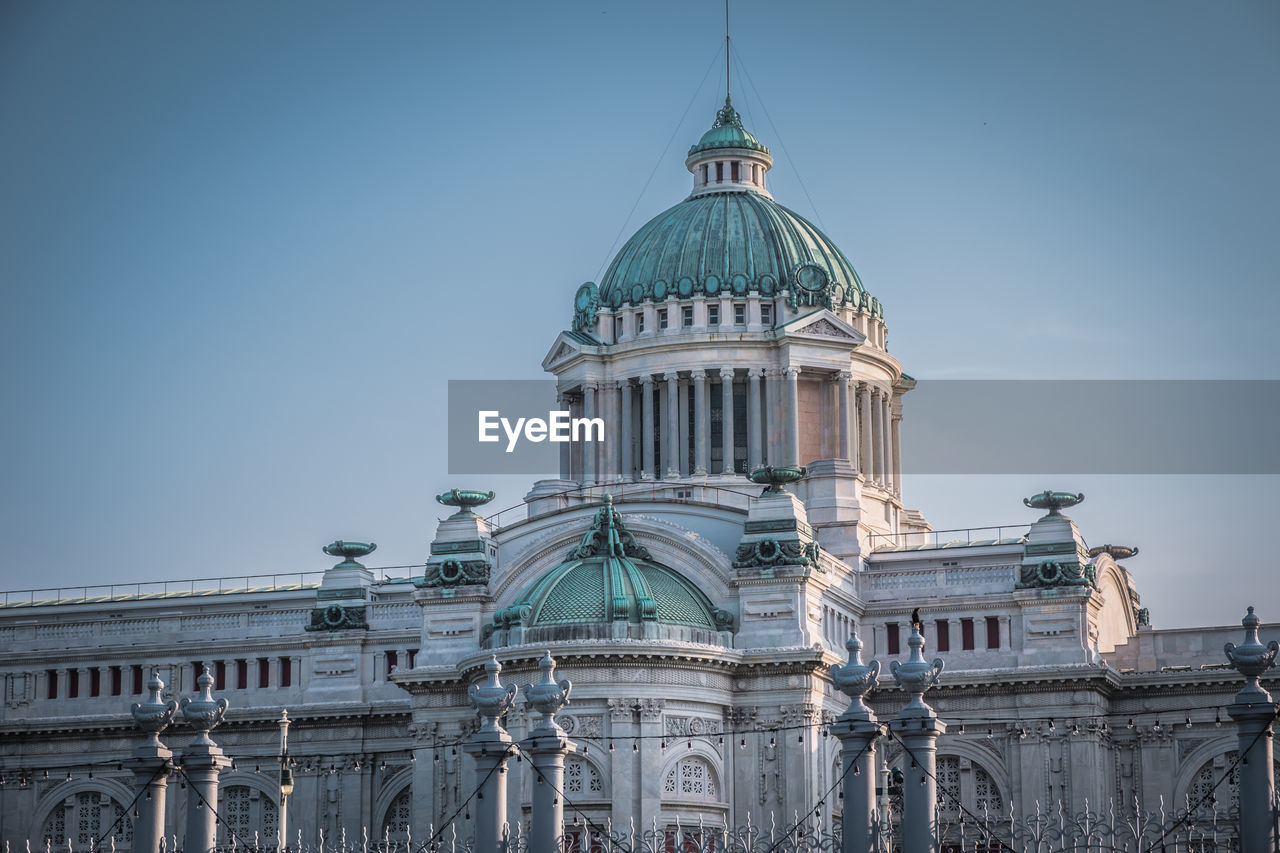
column 662, row 318
column 891, row 639
column 264, row 672
column 392, row 661
column 197, row 667
column 286, row 672
column 617, row 327
column 719, row 172
column 733, row 170
column 704, row 173
column 95, row 681
column 993, row 632
column 966, row 634
column 766, row 313
column 944, row 635
column 73, row 684
column 117, row 685
column 413, row 658
column 137, row 680
column 739, row 314
column 639, row 322
column 713, row 315
column 51, row 677
column 242, row 674
column 686, row 316
column 220, row 675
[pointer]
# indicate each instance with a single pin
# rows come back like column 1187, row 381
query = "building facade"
column 696, row 612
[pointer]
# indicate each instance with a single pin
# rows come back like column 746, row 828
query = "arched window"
column 581, row 778
column 248, row 813
column 85, row 818
column 395, row 825
column 963, row 783
column 1206, row 794
column 691, row 777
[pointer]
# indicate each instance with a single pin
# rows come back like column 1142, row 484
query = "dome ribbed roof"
column 723, row 243
column 609, row 577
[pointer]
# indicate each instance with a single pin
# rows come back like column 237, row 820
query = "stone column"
column 701, row 420
column 890, row 482
column 202, row 762
column 726, row 419
column 877, row 427
column 588, row 446
column 864, row 446
column 1253, row 710
column 755, row 420
column 857, row 730
column 151, row 764
column 671, row 435
column 623, row 757
column 842, row 415
column 547, row 746
column 626, row 463
column 647, row 465
column 917, row 728
column 775, row 429
column 793, row 416
column 684, row 441
column 562, row 404
column 489, row 748
column 895, row 438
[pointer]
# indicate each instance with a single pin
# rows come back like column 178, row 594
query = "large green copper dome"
column 730, row 243
column 609, row 579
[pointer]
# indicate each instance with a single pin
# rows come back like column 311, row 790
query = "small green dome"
column 727, row 132
column 610, row 578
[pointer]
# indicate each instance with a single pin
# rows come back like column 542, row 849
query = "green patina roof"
column 609, row 577
column 727, row 132
column 730, row 243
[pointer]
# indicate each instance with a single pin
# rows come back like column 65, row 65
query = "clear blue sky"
column 243, row 245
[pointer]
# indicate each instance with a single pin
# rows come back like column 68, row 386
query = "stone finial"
column 1251, row 659
column 548, row 696
column 916, row 675
column 349, row 551
column 856, row 679
column 491, row 700
column 204, row 712
column 154, row 715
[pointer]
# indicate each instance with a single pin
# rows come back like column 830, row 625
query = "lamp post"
column 286, row 778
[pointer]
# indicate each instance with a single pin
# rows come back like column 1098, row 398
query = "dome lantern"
column 728, row 158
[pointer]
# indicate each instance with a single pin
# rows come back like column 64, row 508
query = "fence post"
column 490, row 747
column 202, row 761
column 918, row 727
column 1253, row 712
column 857, row 730
column 151, row 764
column 547, row 745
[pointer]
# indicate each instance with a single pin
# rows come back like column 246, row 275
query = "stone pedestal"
column 1254, row 712
column 917, row 727
column 151, row 768
column 490, row 751
column 202, row 765
column 857, row 731
column 546, row 754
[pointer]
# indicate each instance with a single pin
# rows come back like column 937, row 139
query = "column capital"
column 792, row 371
column 844, row 376
column 698, row 374
column 670, row 375
column 773, row 372
column 622, row 384
column 755, row 372
column 647, row 379
column 727, row 373
column 590, row 385
column 864, row 387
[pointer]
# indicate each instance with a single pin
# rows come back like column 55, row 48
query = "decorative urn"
column 466, row 500
column 204, row 712
column 154, row 715
column 491, row 699
column 775, row 477
column 1251, row 659
column 548, row 696
column 916, row 675
column 855, row 679
column 1053, row 501
column 349, row 551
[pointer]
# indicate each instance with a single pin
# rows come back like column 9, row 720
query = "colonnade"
column 649, row 434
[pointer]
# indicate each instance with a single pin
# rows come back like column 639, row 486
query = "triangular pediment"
column 823, row 325
column 566, row 346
